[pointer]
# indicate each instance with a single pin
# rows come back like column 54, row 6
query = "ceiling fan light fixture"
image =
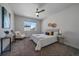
column 37, row 14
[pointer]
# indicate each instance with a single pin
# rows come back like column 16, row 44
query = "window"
column 29, row 26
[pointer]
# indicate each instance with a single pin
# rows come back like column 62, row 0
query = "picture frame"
column 6, row 18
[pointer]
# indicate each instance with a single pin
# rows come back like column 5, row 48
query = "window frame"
column 31, row 29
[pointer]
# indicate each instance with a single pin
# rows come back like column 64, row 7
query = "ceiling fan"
column 39, row 11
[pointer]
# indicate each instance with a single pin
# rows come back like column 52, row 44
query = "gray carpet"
column 26, row 47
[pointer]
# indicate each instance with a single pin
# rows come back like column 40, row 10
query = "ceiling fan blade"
column 41, row 11
column 36, row 10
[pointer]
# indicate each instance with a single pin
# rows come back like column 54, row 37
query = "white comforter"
column 43, row 40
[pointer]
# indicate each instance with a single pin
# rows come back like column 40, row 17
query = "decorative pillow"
column 52, row 33
column 47, row 33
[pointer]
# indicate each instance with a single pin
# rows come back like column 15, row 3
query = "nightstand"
column 60, row 38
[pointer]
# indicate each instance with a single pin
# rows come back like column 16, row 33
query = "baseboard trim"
column 71, row 45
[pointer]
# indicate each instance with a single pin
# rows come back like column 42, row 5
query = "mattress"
column 37, row 37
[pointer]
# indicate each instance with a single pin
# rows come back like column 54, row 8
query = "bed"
column 43, row 40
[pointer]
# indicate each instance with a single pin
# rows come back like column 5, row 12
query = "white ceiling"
column 29, row 9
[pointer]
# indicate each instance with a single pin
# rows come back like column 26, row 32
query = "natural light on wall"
column 29, row 26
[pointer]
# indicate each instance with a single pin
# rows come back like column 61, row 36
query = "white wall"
column 68, row 21
column 12, row 22
column 19, row 24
